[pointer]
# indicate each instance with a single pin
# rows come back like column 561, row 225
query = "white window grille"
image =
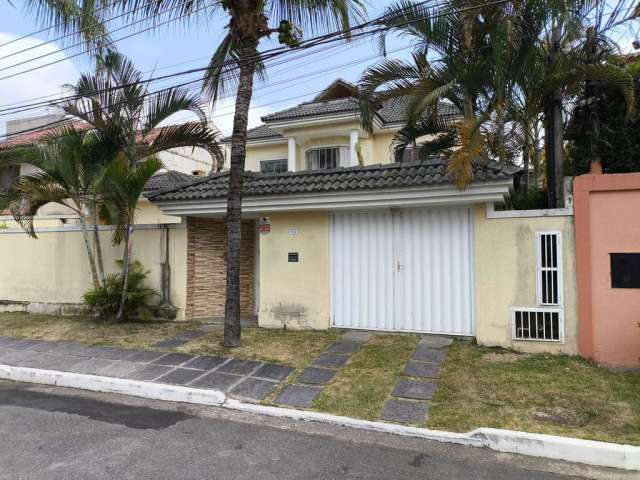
column 546, row 321
column 327, row 158
column 538, row 324
column 274, row 166
column 549, row 268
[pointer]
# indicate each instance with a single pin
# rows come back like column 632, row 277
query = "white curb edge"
column 568, row 449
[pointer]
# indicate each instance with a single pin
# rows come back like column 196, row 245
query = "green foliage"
column 105, row 299
column 533, row 199
column 618, row 142
column 289, row 34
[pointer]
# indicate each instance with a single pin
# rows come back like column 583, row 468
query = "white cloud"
column 41, row 82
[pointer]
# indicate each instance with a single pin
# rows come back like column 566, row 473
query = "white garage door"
column 406, row 270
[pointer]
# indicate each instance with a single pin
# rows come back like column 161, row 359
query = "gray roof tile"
column 167, row 180
column 422, row 173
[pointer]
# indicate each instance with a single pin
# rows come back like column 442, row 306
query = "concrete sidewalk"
column 247, row 380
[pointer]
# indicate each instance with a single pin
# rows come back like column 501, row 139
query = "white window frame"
column 280, row 159
column 559, row 311
column 558, row 268
column 342, row 162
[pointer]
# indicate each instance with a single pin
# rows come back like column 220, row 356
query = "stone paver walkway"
column 411, row 395
column 182, row 338
column 246, row 379
column 322, row 370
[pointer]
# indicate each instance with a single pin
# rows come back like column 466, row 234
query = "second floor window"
column 327, row 157
column 273, row 166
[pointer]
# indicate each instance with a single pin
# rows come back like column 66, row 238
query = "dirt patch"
column 504, row 357
column 562, row 416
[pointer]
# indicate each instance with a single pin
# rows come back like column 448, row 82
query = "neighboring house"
column 180, row 163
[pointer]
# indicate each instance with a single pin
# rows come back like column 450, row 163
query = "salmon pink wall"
column 607, row 217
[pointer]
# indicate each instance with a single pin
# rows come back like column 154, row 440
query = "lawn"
column 89, row 330
column 558, row 395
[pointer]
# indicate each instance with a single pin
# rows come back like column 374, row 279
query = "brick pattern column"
column 206, row 268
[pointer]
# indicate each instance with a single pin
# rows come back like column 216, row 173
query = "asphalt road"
column 50, row 433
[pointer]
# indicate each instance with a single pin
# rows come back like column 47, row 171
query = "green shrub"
column 105, row 299
column 527, row 200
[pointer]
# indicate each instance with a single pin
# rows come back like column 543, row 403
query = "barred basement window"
column 538, row 324
column 549, row 268
column 274, row 166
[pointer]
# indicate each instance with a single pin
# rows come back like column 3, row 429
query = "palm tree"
column 70, row 163
column 115, row 102
column 233, row 67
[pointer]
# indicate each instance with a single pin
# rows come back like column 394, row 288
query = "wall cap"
column 546, row 212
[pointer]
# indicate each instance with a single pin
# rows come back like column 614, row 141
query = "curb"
column 568, row 449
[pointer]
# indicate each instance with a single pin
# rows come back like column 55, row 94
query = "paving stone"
column 119, row 369
column 69, row 348
column 316, row 376
column 330, row 360
column 20, row 358
column 190, row 335
column 435, row 341
column 108, row 353
column 238, row 367
column 143, row 356
column 427, row 354
column 217, row 381
column 413, row 389
column 64, row 363
column 91, row 365
column 148, row 372
column 422, row 369
column 254, row 388
column 405, row 411
column 179, row 376
column 44, row 361
column 4, row 341
column 205, row 362
column 173, row 359
column 344, row 346
column 25, row 344
column 360, row 336
column 298, row 396
column 170, row 343
column 44, row 346
column 273, row 371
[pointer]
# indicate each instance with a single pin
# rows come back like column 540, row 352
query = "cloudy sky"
column 171, row 48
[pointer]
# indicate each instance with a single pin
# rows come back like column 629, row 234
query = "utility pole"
column 555, row 130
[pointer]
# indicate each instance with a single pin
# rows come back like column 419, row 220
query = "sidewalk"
column 243, row 379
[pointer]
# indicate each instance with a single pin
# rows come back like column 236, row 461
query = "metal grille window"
column 549, row 268
column 538, row 324
column 274, row 166
column 327, row 157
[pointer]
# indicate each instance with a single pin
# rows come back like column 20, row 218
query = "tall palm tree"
column 115, row 102
column 232, row 68
column 71, row 164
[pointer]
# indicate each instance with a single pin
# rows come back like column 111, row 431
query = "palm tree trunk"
column 232, row 328
column 87, row 244
column 98, row 244
column 126, row 262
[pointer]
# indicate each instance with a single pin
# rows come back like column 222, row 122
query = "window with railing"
column 327, row 157
column 274, row 166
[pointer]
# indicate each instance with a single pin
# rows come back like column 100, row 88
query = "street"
column 53, row 433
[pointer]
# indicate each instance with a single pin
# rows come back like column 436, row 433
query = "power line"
column 102, row 22
column 320, row 40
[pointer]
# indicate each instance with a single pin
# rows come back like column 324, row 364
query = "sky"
column 172, row 48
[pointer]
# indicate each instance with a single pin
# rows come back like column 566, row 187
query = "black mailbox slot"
column 293, row 257
column 625, row 270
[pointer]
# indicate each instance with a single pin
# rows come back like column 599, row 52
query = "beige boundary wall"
column 505, row 273
column 53, row 269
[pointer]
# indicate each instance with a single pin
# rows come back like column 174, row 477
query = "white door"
column 406, row 270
